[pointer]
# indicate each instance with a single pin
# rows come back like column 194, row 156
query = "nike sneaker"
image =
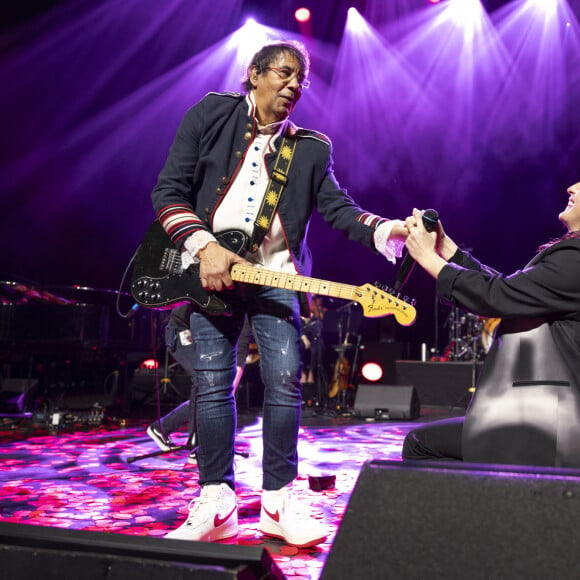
column 282, row 516
column 212, row 516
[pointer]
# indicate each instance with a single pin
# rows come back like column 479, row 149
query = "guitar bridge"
column 171, row 261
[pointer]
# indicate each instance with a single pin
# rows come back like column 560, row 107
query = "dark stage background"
column 480, row 123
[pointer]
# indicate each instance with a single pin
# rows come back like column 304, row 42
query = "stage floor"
column 82, row 477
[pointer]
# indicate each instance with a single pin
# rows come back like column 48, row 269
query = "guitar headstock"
column 377, row 303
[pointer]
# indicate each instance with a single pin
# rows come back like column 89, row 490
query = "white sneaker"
column 282, row 516
column 212, row 516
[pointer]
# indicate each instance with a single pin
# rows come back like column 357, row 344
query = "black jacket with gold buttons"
column 208, row 151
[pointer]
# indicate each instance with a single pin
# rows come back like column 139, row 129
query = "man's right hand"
column 399, row 231
column 215, row 262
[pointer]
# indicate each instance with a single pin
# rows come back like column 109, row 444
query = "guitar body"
column 159, row 281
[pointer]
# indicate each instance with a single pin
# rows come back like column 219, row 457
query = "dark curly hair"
column 270, row 52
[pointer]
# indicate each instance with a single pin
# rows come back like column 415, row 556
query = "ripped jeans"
column 275, row 317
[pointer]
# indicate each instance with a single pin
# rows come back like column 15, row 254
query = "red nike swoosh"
column 217, row 521
column 275, row 516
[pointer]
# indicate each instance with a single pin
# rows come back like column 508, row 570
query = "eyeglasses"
column 287, row 74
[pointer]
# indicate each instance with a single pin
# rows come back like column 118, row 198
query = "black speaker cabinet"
column 440, row 383
column 457, row 520
column 386, row 402
column 29, row 552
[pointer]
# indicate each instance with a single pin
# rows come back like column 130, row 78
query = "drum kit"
column 470, row 336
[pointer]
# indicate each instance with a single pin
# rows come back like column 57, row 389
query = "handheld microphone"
column 430, row 219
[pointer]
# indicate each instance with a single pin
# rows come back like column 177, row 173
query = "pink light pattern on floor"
column 82, row 480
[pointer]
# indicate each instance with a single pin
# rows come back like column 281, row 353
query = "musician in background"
column 217, row 174
column 179, row 342
column 526, row 408
column 310, row 340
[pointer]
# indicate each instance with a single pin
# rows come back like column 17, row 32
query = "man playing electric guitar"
column 237, row 162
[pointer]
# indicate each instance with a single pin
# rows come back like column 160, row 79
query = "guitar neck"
column 252, row 275
column 374, row 301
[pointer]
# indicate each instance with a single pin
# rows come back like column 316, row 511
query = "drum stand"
column 463, row 346
column 464, row 330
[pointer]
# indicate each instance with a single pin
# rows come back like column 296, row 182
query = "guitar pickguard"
column 159, row 280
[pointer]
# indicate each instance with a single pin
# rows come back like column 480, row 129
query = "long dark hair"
column 566, row 236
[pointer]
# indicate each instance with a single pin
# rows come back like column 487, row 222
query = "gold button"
column 238, row 154
column 249, row 126
column 247, row 136
column 207, row 210
column 225, row 179
column 218, row 190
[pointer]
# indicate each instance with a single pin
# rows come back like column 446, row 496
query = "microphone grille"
column 430, row 219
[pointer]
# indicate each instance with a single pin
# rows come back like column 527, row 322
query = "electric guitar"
column 159, row 282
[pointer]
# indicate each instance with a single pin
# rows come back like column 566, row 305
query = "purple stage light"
column 355, row 22
column 465, row 12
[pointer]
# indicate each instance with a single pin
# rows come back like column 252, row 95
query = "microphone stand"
column 167, row 382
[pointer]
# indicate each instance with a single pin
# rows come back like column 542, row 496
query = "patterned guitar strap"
column 273, row 192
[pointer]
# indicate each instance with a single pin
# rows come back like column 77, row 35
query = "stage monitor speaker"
column 386, row 402
column 457, row 520
column 28, row 551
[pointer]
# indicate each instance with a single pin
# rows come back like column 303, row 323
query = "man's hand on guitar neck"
column 215, row 262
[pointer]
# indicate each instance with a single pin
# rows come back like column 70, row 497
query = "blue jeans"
column 275, row 319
